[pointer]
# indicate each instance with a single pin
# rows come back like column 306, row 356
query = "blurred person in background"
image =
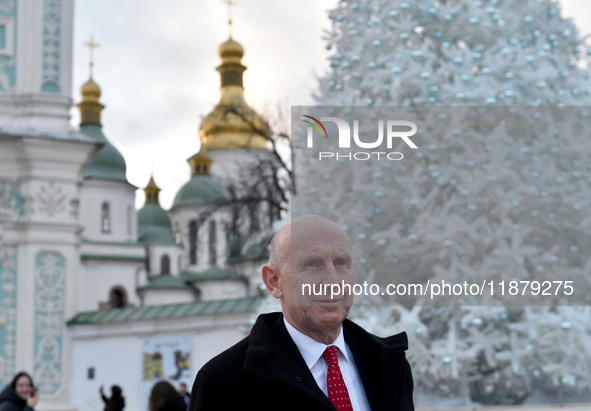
column 20, row 394
column 164, row 397
column 186, row 396
column 116, row 402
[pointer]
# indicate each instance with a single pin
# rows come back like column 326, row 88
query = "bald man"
column 309, row 356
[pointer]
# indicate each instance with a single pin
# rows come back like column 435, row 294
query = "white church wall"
column 50, row 273
column 181, row 217
column 120, row 197
column 10, row 162
column 41, row 230
column 98, row 277
column 115, row 353
column 115, row 360
column 36, row 66
column 168, row 296
column 222, row 290
column 252, row 270
column 230, row 166
column 155, row 254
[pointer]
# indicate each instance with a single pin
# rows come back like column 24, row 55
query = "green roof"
column 123, row 315
column 166, row 281
column 108, row 163
column 117, row 257
column 154, row 226
column 212, row 273
column 202, row 188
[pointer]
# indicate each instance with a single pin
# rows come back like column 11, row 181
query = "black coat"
column 266, row 371
column 115, row 403
column 174, row 404
column 10, row 401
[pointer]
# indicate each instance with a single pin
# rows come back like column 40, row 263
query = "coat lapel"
column 360, row 368
column 382, row 364
column 267, row 357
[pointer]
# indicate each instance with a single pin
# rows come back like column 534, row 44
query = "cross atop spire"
column 230, row 3
column 91, row 46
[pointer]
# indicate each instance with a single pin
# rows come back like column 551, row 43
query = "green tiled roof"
column 122, row 315
column 108, row 162
column 154, row 225
column 202, row 188
column 212, row 273
column 116, row 257
column 166, row 281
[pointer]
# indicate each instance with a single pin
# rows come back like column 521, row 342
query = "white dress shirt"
column 312, row 351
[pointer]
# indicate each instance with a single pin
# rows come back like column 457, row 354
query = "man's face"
column 183, row 388
column 321, row 255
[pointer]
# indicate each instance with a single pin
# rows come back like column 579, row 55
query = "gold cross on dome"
column 91, row 46
column 230, row 3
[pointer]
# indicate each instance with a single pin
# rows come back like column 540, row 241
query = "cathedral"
column 92, row 291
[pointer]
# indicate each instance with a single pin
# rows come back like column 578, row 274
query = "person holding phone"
column 20, row 394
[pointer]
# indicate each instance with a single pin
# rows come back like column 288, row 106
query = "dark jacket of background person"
column 116, row 402
column 266, row 371
column 10, row 401
column 164, row 397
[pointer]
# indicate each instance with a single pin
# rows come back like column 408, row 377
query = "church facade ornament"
column 51, row 200
column 49, row 320
column 11, row 202
column 8, row 268
column 52, row 10
column 7, row 56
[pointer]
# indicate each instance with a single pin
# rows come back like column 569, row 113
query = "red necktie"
column 337, row 390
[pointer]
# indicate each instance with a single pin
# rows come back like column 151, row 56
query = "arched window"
column 212, row 243
column 165, row 265
column 117, row 297
column 129, row 220
column 193, row 242
column 106, row 218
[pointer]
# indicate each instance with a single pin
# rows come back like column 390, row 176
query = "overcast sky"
column 156, row 67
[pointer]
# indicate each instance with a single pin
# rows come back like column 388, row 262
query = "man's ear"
column 271, row 279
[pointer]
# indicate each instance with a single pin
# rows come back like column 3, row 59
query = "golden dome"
column 90, row 91
column 232, row 123
column 200, row 162
column 152, row 191
column 231, row 51
column 90, row 108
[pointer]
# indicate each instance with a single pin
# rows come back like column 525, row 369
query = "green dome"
column 202, row 188
column 154, row 226
column 108, row 163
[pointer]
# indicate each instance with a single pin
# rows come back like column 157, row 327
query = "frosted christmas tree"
column 499, row 192
column 455, row 52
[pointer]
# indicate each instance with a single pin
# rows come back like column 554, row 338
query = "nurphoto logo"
column 394, row 129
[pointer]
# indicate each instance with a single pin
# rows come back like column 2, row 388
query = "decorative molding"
column 52, row 10
column 8, row 267
column 50, row 298
column 12, row 204
column 51, row 199
column 7, row 54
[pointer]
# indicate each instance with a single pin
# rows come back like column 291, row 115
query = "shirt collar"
column 311, row 349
